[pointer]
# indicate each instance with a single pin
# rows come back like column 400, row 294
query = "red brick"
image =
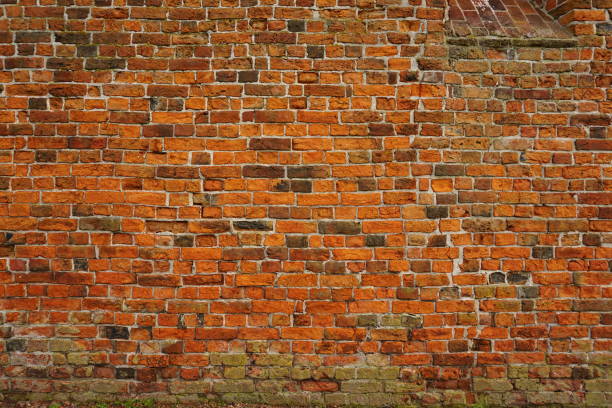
column 390, row 202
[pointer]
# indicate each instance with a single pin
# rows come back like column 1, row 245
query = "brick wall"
column 294, row 202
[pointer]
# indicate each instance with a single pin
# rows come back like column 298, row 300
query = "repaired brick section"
column 306, row 203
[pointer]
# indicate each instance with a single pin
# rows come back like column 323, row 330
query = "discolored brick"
column 116, row 332
column 305, row 204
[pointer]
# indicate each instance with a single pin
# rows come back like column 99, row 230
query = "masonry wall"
column 294, row 202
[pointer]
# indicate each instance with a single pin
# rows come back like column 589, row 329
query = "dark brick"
column 36, row 372
column 275, row 38
column 528, row 292
column 301, row 186
column 282, row 186
column 604, row 28
column 367, row 321
column 436, row 211
column 481, row 345
column 598, row 132
column 38, row 104
column 184, row 241
column 518, row 278
column 38, row 265
column 594, row 144
column 296, row 241
column 269, row 143
column 202, row 199
column 129, row 117
column 405, row 184
column 308, row 172
column 179, row 172
column 81, row 264
column 407, row 293
column 169, row 91
column 73, row 64
column 605, row 212
column 593, row 305
column 15, row 345
column 482, row 211
column 82, row 210
column 591, row 239
column 408, row 76
column 33, row 37
column 446, row 199
column 116, row 332
column 21, row 62
column 248, row 76
column 542, row 252
column 457, row 346
column 527, row 306
column 504, row 93
column 420, row 266
column 225, row 76
column 353, row 50
column 334, row 267
column 207, row 279
column 375, row 240
column 124, row 373
column 41, row 210
column 200, row 158
column 366, row 184
column 412, row 321
column 87, row 51
column 73, row 38
column 405, row 155
column 105, row 63
column 243, row 253
column 315, row 51
column 296, row 26
column 339, row 227
column 449, row 170
column 436, row 241
column 167, row 226
column 381, row 129
column 77, row 13
column 255, row 171
column 67, row 90
column 451, row 292
column 158, row 131
column 590, row 120
column 449, row 359
column 582, row 373
column 253, row 225
column 483, row 225
column 46, row 156
column 497, row 277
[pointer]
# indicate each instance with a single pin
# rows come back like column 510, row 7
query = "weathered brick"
column 294, row 205
column 308, row 172
column 437, row 211
column 263, row 171
column 73, row 38
column 270, row 144
column 100, row 224
column 339, row 227
column 104, row 63
column 116, row 332
column 253, row 225
column 33, row 37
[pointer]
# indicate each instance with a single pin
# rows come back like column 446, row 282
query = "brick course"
column 298, row 202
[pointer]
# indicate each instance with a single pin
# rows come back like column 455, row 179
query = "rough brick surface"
column 299, row 202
